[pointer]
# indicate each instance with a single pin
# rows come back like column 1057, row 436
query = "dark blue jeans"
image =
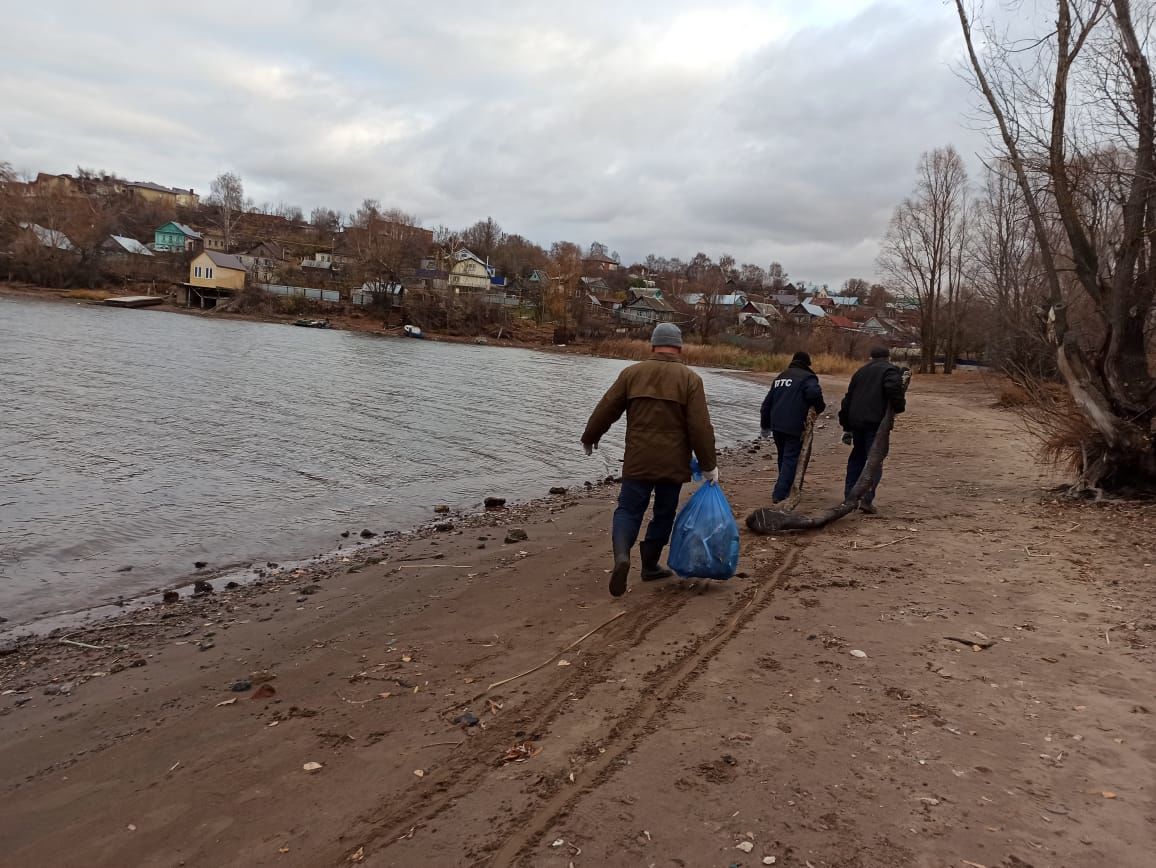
column 633, row 500
column 862, row 441
column 789, row 447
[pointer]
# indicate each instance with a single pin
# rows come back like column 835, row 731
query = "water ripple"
column 136, row 437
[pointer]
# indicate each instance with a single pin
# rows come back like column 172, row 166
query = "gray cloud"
column 783, row 131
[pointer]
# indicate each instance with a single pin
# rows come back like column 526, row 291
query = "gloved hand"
column 848, row 440
column 711, row 476
column 767, row 434
column 589, row 447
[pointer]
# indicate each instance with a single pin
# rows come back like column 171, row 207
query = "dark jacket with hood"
column 794, row 392
column 874, row 387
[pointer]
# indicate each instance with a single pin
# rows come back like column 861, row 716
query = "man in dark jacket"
column 793, row 395
column 666, row 419
column 874, row 387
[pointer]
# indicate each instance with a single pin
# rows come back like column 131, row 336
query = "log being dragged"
column 768, row 521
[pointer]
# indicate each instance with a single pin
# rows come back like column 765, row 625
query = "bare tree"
column 777, row 276
column 227, row 196
column 483, row 238
column 1007, row 276
column 564, row 298
column 325, row 220
column 855, row 287
column 292, row 213
column 727, row 265
column 384, row 245
column 923, row 238
column 1076, row 114
column 752, row 277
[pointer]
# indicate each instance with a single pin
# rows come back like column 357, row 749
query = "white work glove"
column 589, row 447
column 711, row 476
column 768, row 434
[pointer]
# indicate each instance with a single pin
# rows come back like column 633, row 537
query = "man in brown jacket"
column 666, row 419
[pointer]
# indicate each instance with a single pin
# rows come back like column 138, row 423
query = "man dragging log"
column 666, row 419
column 874, row 388
column 793, row 395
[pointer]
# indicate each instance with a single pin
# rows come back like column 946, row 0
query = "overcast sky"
column 784, row 130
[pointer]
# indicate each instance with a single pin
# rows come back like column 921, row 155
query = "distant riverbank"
column 718, row 355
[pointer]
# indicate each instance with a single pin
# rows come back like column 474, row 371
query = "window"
column 208, row 272
column 197, row 271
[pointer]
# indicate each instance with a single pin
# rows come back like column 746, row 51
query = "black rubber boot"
column 651, row 569
column 621, row 569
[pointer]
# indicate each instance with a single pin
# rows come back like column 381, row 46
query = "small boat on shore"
column 412, row 331
column 134, row 300
column 312, row 323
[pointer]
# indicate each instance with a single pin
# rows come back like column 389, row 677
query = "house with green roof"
column 175, row 237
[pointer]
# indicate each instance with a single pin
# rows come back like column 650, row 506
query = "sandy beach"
column 998, row 715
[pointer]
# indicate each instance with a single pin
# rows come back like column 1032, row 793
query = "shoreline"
column 881, row 687
column 254, row 578
column 626, row 349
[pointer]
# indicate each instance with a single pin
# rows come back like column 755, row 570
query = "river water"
column 151, row 440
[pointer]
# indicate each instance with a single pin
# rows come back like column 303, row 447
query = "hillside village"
column 94, row 230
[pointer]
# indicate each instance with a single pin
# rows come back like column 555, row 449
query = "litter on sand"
column 521, row 752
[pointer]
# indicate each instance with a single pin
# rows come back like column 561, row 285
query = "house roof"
column 269, row 250
column 608, row 303
column 600, row 257
column 812, row 309
column 786, row 299
column 187, row 231
column 48, row 237
column 463, row 254
column 225, row 260
column 646, row 291
column 756, row 319
column 699, row 297
column 845, row 300
column 841, row 322
column 130, row 245
column 160, row 188
column 766, row 309
column 649, row 302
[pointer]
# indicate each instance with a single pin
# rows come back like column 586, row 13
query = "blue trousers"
column 862, row 441
column 633, row 499
column 789, row 447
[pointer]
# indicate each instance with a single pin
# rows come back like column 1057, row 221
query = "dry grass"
column 1012, row 395
column 89, row 294
column 725, row 356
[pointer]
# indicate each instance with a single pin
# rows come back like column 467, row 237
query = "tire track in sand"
column 636, row 722
column 460, row 774
column 462, row 771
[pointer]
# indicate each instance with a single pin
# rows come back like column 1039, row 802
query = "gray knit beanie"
column 666, row 334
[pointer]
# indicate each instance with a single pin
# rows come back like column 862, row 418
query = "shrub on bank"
column 89, row 294
column 726, row 356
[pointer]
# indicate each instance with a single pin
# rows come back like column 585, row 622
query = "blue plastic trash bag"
column 705, row 542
